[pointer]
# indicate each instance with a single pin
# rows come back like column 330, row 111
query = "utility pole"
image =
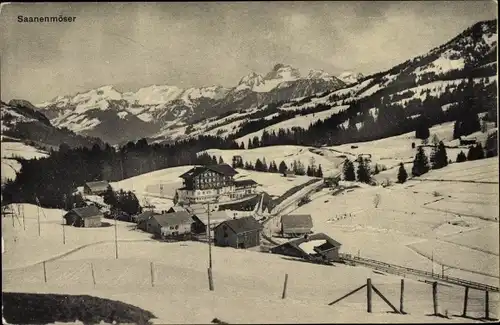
column 116, row 242
column 209, row 236
column 432, row 261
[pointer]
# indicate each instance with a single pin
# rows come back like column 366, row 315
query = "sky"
column 195, row 44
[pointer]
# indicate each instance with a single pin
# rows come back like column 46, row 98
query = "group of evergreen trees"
column 122, row 201
column 363, row 173
column 297, row 167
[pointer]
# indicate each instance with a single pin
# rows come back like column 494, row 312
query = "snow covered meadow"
column 12, row 148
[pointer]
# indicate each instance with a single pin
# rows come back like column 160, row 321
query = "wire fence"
column 132, row 275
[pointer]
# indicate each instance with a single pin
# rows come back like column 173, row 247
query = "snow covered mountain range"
column 285, row 99
column 152, row 109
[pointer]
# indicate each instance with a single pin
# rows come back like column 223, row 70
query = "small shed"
column 96, row 188
column 295, row 225
column 88, row 217
column 289, row 173
column 238, row 233
column 168, row 224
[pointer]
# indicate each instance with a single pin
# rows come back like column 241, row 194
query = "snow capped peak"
column 319, row 74
column 250, row 81
column 283, row 72
column 350, row 77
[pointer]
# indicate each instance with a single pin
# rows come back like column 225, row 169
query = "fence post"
column 487, row 305
column 401, row 299
column 284, row 287
column 44, row 273
column 210, row 280
column 152, row 275
column 369, row 295
column 466, row 298
column 93, row 274
column 434, row 297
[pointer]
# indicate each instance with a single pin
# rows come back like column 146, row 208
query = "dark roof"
column 295, row 244
column 99, row 185
column 86, row 212
column 176, row 208
column 144, row 216
column 223, row 169
column 242, row 225
column 245, row 182
column 297, row 221
column 173, row 218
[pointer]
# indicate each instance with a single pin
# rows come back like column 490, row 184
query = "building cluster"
column 191, row 216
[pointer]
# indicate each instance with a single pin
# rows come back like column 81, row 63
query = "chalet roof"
column 176, row 208
column 173, row 218
column 297, row 221
column 144, row 216
column 98, row 186
column 86, row 212
column 242, row 225
column 245, row 182
column 295, row 244
column 223, row 169
column 216, row 217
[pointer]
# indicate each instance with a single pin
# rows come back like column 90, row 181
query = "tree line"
column 58, row 175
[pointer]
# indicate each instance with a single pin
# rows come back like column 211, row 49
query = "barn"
column 88, row 217
column 96, row 188
column 295, row 225
column 238, row 233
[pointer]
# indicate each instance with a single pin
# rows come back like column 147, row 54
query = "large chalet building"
column 207, row 183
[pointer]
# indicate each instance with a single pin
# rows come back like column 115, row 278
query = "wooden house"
column 238, row 233
column 324, row 248
column 295, row 225
column 289, row 173
column 167, row 224
column 88, row 217
column 96, row 188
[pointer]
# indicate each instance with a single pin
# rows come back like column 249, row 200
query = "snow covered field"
column 250, row 294
column 406, row 225
column 10, row 150
column 329, row 163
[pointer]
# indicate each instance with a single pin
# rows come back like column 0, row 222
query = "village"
column 206, row 209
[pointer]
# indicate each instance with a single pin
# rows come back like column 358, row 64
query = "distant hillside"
column 21, row 120
column 432, row 88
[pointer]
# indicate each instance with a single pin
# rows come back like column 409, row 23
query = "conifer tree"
column 309, row 171
column 349, row 174
column 258, row 165
column 461, row 157
column 402, row 174
column 221, row 161
column 363, row 173
column 319, row 172
column 420, row 163
column 282, row 167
